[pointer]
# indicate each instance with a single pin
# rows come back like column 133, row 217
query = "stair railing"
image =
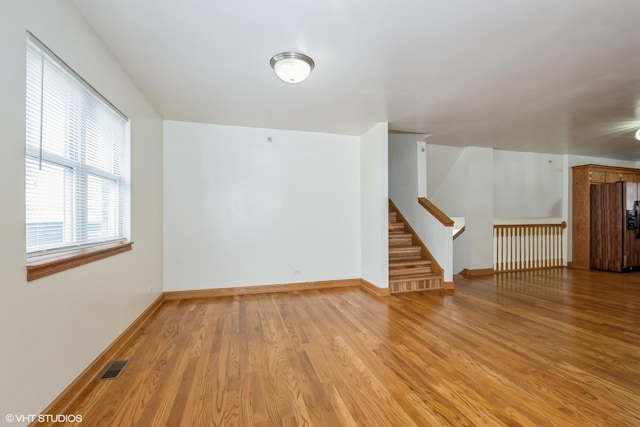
column 522, row 247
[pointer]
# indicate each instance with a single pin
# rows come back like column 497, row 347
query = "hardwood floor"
column 550, row 348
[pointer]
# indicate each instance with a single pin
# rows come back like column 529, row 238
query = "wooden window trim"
column 46, row 265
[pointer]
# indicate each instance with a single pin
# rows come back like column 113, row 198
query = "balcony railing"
column 522, row 247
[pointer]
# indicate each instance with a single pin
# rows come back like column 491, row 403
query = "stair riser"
column 396, row 287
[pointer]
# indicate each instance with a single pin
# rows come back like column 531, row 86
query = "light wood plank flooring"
column 554, row 348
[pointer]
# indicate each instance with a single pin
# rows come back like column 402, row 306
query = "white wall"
column 447, row 186
column 54, row 327
column 440, row 161
column 422, row 169
column 374, row 205
column 448, row 178
column 527, row 185
column 479, row 220
column 403, row 190
column 242, row 211
column 466, row 190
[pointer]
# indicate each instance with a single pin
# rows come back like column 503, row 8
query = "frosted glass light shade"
column 638, row 134
column 292, row 67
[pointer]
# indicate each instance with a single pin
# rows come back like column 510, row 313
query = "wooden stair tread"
column 404, row 253
column 409, row 271
column 404, row 248
column 428, row 276
column 406, row 257
column 400, row 234
column 401, row 263
column 399, row 241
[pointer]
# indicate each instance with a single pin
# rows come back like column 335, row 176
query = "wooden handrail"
column 437, row 213
column 563, row 224
column 459, row 232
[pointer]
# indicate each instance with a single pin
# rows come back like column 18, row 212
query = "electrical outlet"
column 150, row 288
column 297, row 272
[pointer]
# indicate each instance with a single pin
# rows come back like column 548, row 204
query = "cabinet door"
column 607, row 208
column 637, row 177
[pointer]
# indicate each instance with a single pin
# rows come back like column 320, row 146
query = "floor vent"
column 114, row 370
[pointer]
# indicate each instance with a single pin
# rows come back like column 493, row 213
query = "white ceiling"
column 531, row 75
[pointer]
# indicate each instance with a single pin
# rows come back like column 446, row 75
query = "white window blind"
column 76, row 179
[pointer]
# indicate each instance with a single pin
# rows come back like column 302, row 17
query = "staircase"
column 410, row 268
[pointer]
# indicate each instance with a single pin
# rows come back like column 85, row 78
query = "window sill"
column 39, row 267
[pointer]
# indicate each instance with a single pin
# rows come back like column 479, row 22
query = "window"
column 76, row 160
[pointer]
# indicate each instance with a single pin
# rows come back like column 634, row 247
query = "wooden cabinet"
column 628, row 177
column 613, row 177
column 597, row 176
column 582, row 178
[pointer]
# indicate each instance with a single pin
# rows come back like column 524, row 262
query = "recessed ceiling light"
column 292, row 67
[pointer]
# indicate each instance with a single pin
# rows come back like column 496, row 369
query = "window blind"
column 76, row 188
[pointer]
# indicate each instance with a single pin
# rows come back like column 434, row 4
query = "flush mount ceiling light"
column 638, row 134
column 292, row 67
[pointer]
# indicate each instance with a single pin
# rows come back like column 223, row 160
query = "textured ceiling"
column 528, row 75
